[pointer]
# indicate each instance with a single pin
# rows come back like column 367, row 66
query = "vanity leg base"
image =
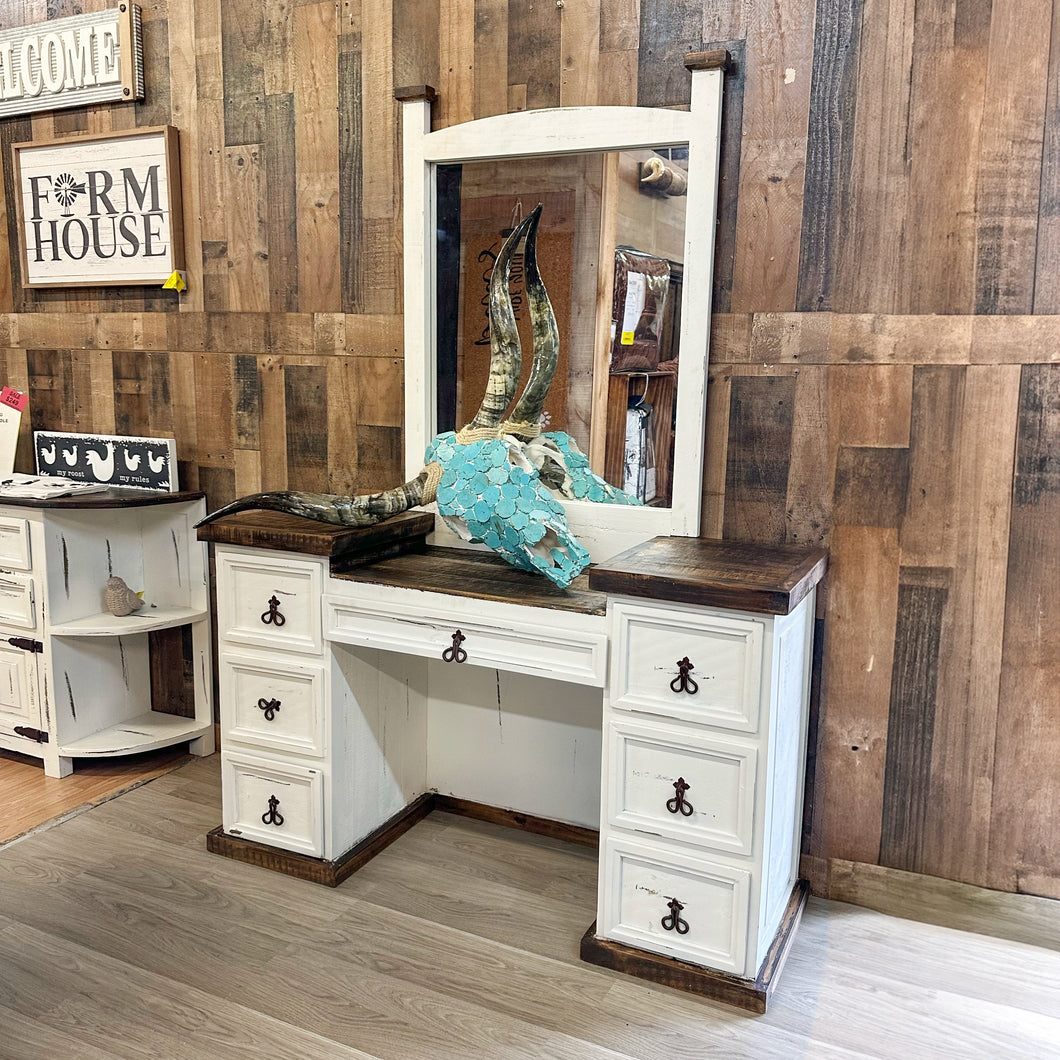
column 750, row 994
column 317, row 870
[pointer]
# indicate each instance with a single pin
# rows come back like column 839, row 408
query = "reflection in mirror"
column 610, row 251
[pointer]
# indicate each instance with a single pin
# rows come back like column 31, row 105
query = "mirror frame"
column 604, row 529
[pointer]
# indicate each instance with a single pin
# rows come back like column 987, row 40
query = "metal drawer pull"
column 682, row 682
column 673, row 922
column 273, row 616
column 273, row 816
column 269, row 706
column 456, row 653
column 678, row 804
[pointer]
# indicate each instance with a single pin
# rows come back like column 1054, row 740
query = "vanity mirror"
column 465, row 185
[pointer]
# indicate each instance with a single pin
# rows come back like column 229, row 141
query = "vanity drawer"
column 273, row 802
column 682, row 785
column 683, row 907
column 493, row 638
column 16, row 601
column 279, row 705
column 14, row 543
column 722, row 656
column 270, row 602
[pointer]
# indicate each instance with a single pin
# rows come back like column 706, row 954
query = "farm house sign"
column 70, row 62
column 99, row 209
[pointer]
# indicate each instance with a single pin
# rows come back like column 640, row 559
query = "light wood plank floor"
column 121, row 937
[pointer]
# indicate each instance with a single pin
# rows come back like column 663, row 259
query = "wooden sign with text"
column 96, row 57
column 99, row 209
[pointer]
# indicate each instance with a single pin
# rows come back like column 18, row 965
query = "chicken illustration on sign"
column 496, row 480
column 113, row 460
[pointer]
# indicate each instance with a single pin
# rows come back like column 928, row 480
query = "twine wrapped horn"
column 487, row 486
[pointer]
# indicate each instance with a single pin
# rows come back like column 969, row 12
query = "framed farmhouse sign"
column 96, row 57
column 99, row 209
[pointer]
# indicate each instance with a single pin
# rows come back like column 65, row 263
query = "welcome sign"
column 100, row 209
column 69, row 62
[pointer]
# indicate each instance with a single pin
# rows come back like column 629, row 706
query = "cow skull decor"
column 495, row 480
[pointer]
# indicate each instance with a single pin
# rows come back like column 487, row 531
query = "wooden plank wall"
column 885, row 359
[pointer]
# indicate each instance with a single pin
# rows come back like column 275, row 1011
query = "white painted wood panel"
column 19, row 704
column 16, row 601
column 642, row 879
column 716, row 810
column 726, row 654
column 14, row 543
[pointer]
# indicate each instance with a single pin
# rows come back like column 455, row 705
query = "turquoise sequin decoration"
column 584, row 483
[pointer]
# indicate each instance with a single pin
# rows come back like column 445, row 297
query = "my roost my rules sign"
column 100, row 210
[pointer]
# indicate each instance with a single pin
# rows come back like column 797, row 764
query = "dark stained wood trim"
column 717, row 59
column 292, row 533
column 110, row 498
column 410, row 93
column 317, row 870
column 750, row 994
column 570, row 833
column 772, row 579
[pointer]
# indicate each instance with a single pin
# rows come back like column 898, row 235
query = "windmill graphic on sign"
column 66, row 191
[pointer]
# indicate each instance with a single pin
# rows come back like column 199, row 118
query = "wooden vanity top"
column 768, row 578
column 764, row 578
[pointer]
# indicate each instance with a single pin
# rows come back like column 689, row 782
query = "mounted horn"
column 506, row 362
column 365, row 510
column 524, row 420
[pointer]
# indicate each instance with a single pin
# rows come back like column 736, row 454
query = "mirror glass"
column 611, row 248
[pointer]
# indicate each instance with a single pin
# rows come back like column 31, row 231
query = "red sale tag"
column 13, row 398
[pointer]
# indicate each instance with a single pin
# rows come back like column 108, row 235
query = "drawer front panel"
column 274, row 803
column 685, row 908
column 721, row 658
column 14, row 543
column 270, row 603
column 16, row 601
column 669, row 782
column 18, row 689
column 578, row 656
column 278, row 706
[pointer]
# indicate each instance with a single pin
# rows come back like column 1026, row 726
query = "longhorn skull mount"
column 495, row 481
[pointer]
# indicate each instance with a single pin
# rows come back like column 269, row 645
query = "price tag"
column 12, row 402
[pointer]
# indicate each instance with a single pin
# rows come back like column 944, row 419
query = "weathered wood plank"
column 490, row 67
column 1047, row 263
column 306, row 395
column 728, row 173
column 351, row 207
column 1023, row 851
column 456, row 60
column 246, row 233
column 669, row 30
column 242, row 42
column 579, row 41
column 281, row 203
column 534, row 52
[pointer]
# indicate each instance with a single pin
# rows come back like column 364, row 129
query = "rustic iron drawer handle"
column 674, row 922
column 456, row 653
column 273, row 816
column 273, row 616
column 678, row 804
column 682, row 682
column 269, row 706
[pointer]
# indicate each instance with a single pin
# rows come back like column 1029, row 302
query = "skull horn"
column 505, row 351
column 525, row 417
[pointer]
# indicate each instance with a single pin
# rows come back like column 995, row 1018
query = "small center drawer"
column 693, row 788
column 686, row 908
column 274, row 705
column 273, row 802
column 16, row 601
column 687, row 663
column 495, row 637
column 270, row 602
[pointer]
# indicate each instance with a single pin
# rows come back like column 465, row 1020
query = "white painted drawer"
column 275, row 704
column 269, row 602
column 642, row 882
column 18, row 688
column 694, row 788
column 725, row 653
column 14, row 543
column 492, row 637
column 16, row 601
column 294, row 821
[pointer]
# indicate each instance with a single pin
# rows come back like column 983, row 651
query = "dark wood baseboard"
column 317, row 870
column 332, row 873
column 750, row 994
column 570, row 833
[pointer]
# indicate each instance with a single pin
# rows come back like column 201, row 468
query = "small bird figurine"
column 120, row 599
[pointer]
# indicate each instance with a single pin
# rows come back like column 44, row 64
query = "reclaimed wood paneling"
column 884, row 350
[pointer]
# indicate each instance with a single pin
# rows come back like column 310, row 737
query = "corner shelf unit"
column 77, row 681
